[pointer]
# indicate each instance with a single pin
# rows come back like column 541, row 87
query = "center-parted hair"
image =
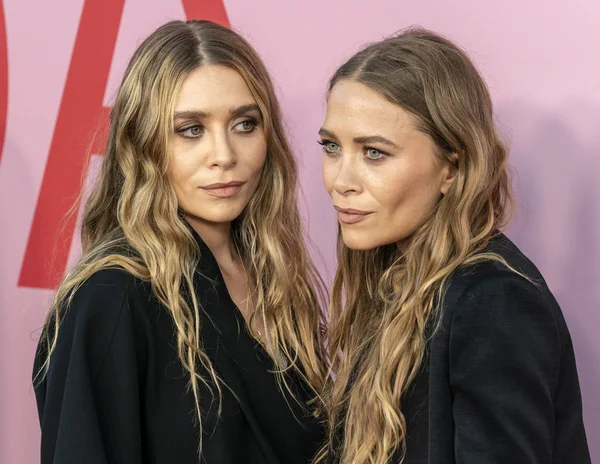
column 132, row 219
column 384, row 299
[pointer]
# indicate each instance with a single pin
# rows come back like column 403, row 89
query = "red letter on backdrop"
column 3, row 78
column 212, row 10
column 80, row 112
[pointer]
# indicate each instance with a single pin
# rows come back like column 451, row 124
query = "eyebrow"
column 234, row 112
column 361, row 140
column 244, row 109
column 375, row 139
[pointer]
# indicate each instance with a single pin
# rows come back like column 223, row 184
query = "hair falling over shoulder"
column 131, row 220
column 384, row 299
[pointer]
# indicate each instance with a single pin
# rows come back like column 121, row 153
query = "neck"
column 217, row 237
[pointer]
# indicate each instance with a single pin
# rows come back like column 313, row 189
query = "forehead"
column 210, row 87
column 355, row 109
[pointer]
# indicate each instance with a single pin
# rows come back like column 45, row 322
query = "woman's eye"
column 190, row 132
column 374, row 154
column 246, row 126
column 329, row 146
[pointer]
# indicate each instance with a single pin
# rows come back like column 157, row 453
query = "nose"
column 223, row 153
column 346, row 179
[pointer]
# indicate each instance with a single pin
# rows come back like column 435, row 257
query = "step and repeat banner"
column 61, row 62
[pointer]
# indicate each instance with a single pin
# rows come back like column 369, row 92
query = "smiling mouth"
column 351, row 216
column 223, row 190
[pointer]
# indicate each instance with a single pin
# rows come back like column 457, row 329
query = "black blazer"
column 116, row 391
column 499, row 385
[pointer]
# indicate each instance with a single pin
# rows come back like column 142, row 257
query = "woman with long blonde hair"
column 447, row 345
column 190, row 329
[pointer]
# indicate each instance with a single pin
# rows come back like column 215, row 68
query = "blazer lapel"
column 221, row 333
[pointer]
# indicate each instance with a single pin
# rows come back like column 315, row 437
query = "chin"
column 217, row 217
column 363, row 241
column 359, row 242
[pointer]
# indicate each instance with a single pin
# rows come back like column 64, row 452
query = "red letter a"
column 80, row 111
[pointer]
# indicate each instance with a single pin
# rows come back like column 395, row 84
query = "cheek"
column 253, row 155
column 412, row 200
column 387, row 185
column 260, row 158
column 328, row 171
column 180, row 173
column 183, row 169
column 255, row 172
column 183, row 160
column 395, row 194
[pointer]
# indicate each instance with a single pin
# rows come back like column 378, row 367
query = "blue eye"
column 246, row 126
column 329, row 146
column 191, row 132
column 374, row 154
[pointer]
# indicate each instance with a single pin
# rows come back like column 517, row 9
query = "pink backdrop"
column 541, row 61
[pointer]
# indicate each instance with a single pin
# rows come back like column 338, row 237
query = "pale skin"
column 219, row 139
column 381, row 171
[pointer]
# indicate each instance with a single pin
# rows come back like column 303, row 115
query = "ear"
column 449, row 173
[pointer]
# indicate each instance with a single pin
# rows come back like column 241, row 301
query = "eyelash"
column 324, row 144
column 183, row 130
column 366, row 150
column 382, row 154
column 252, row 121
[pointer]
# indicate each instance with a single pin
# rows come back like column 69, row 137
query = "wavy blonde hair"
column 132, row 221
column 383, row 299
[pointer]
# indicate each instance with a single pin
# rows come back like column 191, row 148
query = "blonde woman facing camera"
column 447, row 345
column 189, row 331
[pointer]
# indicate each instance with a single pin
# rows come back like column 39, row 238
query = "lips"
column 351, row 216
column 223, row 189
